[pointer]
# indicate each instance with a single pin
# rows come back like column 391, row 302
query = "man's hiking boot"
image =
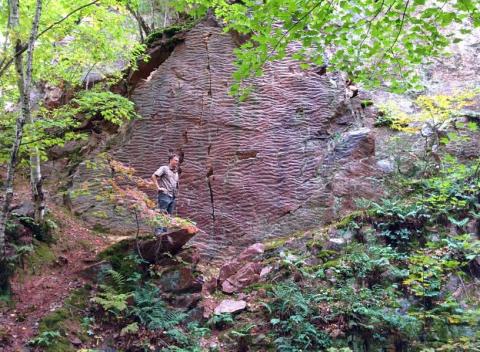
column 160, row 230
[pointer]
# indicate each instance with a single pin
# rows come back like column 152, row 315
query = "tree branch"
column 370, row 22
column 400, row 29
column 66, row 17
column 31, row 44
column 23, row 48
column 305, row 15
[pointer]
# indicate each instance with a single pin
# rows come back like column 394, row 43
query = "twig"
column 66, row 17
column 402, row 22
column 138, row 232
column 24, row 47
column 370, row 22
column 308, row 13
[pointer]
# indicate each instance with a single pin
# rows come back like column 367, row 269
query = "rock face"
column 293, row 155
column 241, row 271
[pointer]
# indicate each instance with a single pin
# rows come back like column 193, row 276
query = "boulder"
column 251, row 252
column 96, row 271
column 186, row 301
column 242, row 271
column 23, row 209
column 180, row 279
column 208, row 305
column 231, row 267
column 261, row 168
column 247, row 275
column 230, row 306
column 152, row 249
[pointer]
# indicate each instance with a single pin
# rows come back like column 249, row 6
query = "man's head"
column 173, row 161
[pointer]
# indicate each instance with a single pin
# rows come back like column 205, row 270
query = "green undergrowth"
column 30, row 250
column 399, row 274
column 135, row 307
column 120, row 256
column 56, row 329
column 41, row 256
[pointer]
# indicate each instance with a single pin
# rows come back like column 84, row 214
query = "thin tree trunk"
column 37, row 186
column 23, row 84
column 142, row 25
column 14, row 21
column 165, row 17
column 35, row 165
column 4, row 65
column 152, row 8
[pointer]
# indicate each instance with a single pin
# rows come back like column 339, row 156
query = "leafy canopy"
column 372, row 40
column 76, row 39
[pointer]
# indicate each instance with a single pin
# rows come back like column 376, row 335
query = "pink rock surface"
column 247, row 275
column 230, row 306
column 251, row 252
column 262, row 168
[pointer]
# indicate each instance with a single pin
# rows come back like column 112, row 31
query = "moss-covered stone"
column 314, row 244
column 258, row 286
column 331, row 264
column 41, row 257
column 119, row 248
column 119, row 257
column 345, row 221
column 54, row 320
column 326, row 253
column 99, row 228
column 66, row 320
column 276, row 243
column 168, row 32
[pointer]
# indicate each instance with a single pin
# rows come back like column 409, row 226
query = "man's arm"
column 155, row 176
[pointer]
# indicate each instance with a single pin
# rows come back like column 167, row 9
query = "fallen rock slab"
column 152, row 248
column 247, row 275
column 95, row 271
column 230, row 306
column 180, row 279
column 242, row 271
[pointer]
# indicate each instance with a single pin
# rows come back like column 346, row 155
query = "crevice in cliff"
column 157, row 55
column 209, row 92
column 210, row 190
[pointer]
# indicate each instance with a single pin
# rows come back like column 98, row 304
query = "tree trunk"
column 13, row 22
column 37, row 186
column 23, row 84
column 38, row 196
column 142, row 25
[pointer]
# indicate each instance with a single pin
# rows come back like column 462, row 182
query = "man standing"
column 166, row 180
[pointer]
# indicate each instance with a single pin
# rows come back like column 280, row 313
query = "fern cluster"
column 151, row 311
column 112, row 297
column 294, row 314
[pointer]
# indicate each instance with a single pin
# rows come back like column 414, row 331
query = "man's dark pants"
column 165, row 203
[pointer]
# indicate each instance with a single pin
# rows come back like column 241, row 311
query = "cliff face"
column 293, row 155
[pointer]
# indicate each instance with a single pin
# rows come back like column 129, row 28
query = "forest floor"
column 39, row 289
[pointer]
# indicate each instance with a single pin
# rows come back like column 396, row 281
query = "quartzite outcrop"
column 294, row 154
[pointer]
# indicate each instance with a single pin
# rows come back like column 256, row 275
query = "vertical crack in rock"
column 207, row 38
column 157, row 56
column 210, row 189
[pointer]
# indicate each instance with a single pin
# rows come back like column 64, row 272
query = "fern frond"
column 118, row 280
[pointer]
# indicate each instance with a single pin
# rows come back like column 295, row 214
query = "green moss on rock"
column 42, row 256
column 66, row 320
column 168, row 32
column 345, row 221
column 118, row 255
